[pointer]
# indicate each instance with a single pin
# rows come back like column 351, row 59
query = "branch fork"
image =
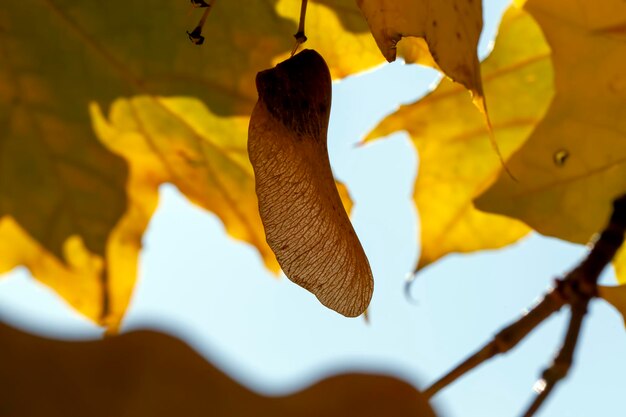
column 575, row 290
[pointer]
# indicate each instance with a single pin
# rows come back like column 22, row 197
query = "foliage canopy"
column 97, row 109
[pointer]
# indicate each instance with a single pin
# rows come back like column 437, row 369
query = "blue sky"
column 202, row 286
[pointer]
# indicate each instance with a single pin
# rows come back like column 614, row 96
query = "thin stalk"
column 563, row 362
column 299, row 35
column 196, row 34
column 504, row 341
column 579, row 284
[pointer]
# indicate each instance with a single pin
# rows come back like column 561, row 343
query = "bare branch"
column 576, row 290
column 563, row 362
column 583, row 287
column 505, row 340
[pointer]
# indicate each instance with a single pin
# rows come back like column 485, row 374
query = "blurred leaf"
column 456, row 162
column 619, row 265
column 337, row 30
column 306, row 225
column 68, row 209
column 178, row 140
column 144, row 373
column 616, row 296
column 61, row 192
column 573, row 166
column 450, row 29
column 55, row 179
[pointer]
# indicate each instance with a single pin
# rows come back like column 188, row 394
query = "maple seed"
column 305, row 222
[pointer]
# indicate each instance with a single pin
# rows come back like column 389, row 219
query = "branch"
column 584, row 280
column 576, row 290
column 505, row 340
column 195, row 35
column 563, row 362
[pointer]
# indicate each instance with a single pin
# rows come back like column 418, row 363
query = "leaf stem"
column 196, row 34
column 299, row 35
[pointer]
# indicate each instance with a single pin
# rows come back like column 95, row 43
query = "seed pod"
column 305, row 222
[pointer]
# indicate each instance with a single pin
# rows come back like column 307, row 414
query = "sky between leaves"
column 98, row 108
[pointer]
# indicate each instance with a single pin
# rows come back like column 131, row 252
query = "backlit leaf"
column 456, row 162
column 178, row 140
column 305, row 222
column 70, row 210
column 616, row 296
column 619, row 265
column 144, row 373
column 573, row 166
column 450, row 30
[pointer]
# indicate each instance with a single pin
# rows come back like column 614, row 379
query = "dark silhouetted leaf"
column 144, row 373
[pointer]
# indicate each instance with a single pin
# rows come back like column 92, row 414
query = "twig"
column 563, row 362
column 584, row 281
column 299, row 35
column 576, row 289
column 195, row 35
column 505, row 340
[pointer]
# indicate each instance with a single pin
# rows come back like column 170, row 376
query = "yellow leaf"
column 306, row 225
column 338, row 31
column 573, row 165
column 450, row 28
column 415, row 51
column 456, row 162
column 79, row 278
column 616, row 296
column 99, row 291
column 619, row 265
column 145, row 373
column 178, row 140
column 76, row 212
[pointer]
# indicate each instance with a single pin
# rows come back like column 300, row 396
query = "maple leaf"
column 449, row 29
column 145, row 373
column 456, row 162
column 619, row 265
column 70, row 210
column 615, row 296
column 572, row 167
column 440, row 34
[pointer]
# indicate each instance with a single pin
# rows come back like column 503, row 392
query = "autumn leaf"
column 572, row 167
column 145, row 373
column 619, row 265
column 616, row 296
column 456, row 162
column 449, row 29
column 71, row 212
column 305, row 223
